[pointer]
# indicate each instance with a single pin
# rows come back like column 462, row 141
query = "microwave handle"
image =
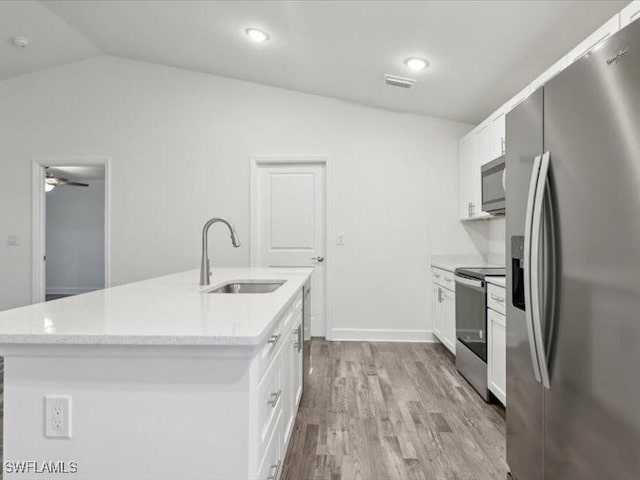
column 504, row 179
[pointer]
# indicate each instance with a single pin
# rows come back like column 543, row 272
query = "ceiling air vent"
column 398, row 81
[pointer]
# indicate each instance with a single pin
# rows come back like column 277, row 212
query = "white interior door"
column 290, row 222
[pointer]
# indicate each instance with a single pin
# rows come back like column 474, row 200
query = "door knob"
column 318, row 259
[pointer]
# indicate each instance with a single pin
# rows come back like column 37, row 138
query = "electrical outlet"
column 57, row 419
column 12, row 240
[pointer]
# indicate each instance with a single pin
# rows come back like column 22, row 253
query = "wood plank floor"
column 387, row 411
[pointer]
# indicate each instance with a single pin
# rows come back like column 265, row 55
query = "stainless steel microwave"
column 493, row 186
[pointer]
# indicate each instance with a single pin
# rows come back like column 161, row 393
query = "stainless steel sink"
column 248, row 286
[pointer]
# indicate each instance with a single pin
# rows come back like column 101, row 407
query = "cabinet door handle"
column 274, row 397
column 298, row 345
column 273, row 339
column 275, row 469
column 496, row 298
column 301, row 336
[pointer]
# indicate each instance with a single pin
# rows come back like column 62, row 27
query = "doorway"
column 71, row 227
column 289, row 199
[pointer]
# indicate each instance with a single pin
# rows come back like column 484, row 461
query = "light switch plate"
column 340, row 239
column 12, row 240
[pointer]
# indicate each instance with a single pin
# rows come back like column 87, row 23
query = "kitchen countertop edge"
column 37, row 313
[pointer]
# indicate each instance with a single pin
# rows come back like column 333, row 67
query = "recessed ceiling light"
column 415, row 63
column 257, row 35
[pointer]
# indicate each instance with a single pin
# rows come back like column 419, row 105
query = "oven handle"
column 476, row 284
column 528, row 227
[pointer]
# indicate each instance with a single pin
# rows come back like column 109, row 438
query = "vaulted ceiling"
column 481, row 52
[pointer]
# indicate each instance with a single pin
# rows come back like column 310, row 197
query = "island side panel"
column 135, row 417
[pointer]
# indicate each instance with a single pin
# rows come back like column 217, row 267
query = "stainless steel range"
column 471, row 325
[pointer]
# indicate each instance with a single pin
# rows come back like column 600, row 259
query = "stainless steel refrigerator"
column 573, row 271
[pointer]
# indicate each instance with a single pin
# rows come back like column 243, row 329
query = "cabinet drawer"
column 496, row 298
column 291, row 312
column 271, row 463
column 443, row 278
column 270, row 348
column 278, row 335
column 270, row 399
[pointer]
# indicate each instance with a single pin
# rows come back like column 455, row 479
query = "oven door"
column 493, row 186
column 471, row 315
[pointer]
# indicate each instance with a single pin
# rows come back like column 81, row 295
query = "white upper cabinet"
column 483, row 155
column 551, row 72
column 630, row 13
column 483, row 147
column 466, row 161
column 595, row 39
column 497, row 133
column 475, row 151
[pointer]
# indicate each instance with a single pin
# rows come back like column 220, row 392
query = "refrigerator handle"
column 536, row 224
column 527, row 267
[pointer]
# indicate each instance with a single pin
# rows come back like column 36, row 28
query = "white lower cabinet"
column 292, row 379
column 272, row 462
column 436, row 312
column 449, row 314
column 443, row 311
column 276, row 395
column 497, row 347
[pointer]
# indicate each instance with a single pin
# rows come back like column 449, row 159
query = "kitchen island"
column 161, row 379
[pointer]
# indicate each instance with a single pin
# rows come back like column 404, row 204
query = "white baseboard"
column 69, row 290
column 382, row 335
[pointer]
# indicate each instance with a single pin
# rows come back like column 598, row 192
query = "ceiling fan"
column 52, row 181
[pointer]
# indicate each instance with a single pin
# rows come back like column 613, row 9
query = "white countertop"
column 169, row 310
column 499, row 281
column 451, row 262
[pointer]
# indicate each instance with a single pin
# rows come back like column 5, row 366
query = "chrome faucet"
column 205, row 270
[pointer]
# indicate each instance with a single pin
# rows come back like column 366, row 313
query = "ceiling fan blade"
column 76, row 184
column 54, row 180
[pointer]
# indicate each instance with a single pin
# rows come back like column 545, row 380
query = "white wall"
column 75, row 238
column 496, row 238
column 180, row 144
